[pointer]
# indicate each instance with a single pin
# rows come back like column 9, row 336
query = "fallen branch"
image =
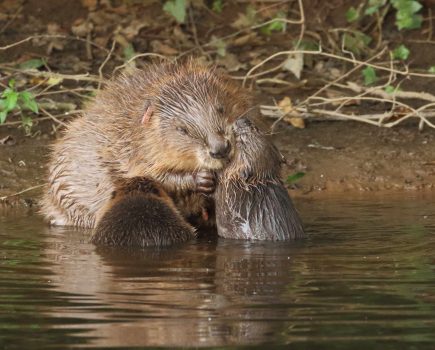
column 274, row 112
column 21, row 192
column 388, row 96
column 50, row 75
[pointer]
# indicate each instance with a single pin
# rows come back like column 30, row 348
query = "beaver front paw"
column 205, row 181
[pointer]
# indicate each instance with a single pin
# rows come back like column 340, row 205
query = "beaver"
column 140, row 214
column 251, row 200
column 169, row 122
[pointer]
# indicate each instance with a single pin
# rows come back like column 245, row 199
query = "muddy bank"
column 336, row 157
column 347, row 156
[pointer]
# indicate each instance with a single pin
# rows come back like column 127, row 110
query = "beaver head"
column 195, row 108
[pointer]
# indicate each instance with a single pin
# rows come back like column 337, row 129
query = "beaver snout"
column 219, row 148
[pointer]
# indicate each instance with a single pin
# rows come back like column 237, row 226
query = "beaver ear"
column 148, row 114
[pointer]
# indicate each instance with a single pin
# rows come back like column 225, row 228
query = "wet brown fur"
column 111, row 141
column 140, row 214
column 251, row 200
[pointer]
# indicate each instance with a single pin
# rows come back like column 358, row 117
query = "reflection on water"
column 363, row 279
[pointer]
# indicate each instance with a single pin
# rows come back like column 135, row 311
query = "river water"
column 363, row 279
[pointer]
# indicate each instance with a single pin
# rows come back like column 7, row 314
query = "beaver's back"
column 78, row 180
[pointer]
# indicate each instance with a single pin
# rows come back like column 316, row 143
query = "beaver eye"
column 182, row 130
column 220, row 109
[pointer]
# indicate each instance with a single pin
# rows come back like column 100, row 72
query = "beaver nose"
column 220, row 149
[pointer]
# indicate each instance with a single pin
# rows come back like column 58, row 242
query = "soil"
column 336, row 157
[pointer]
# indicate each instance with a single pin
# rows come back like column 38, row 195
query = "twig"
column 354, row 69
column 21, row 192
column 373, row 119
column 391, row 77
column 62, row 106
column 425, row 96
column 63, row 91
column 34, row 73
column 281, row 82
column 100, row 69
column 64, row 115
column 148, row 54
column 52, row 116
column 411, row 114
column 341, row 58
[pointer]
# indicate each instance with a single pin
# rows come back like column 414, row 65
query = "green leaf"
column 374, row 6
column 401, row 52
column 431, row 69
column 390, row 89
column 11, row 100
column 352, row 15
column 128, row 52
column 369, row 75
column 11, row 83
column 3, row 116
column 408, row 21
column 28, row 101
column 406, row 16
column 274, row 26
column 217, row 6
column 408, row 6
column 32, row 64
column 177, row 8
column 295, row 177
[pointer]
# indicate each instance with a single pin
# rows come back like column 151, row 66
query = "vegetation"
column 20, row 102
column 291, row 179
column 369, row 61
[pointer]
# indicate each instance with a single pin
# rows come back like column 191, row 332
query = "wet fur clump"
column 141, row 214
column 251, row 201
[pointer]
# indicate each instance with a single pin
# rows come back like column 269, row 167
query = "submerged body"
column 171, row 123
column 140, row 214
column 251, row 201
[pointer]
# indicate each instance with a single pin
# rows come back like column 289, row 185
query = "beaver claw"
column 204, row 181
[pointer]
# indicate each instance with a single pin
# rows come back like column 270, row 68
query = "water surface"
column 363, row 279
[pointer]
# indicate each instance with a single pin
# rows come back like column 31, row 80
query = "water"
column 364, row 279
